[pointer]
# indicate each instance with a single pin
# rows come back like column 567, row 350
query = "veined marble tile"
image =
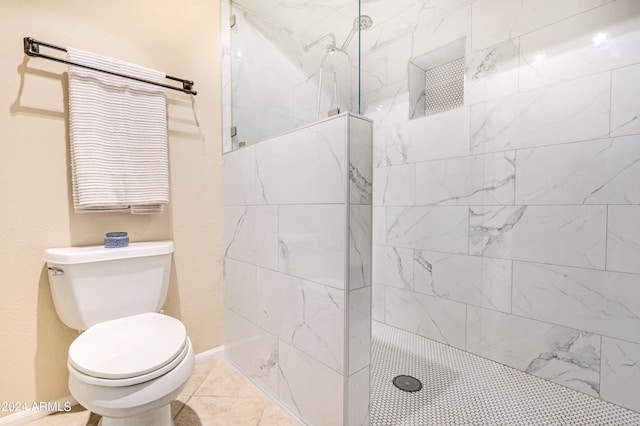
column 567, row 112
column 379, row 232
column 359, row 329
column 239, row 177
column 474, row 280
column 492, row 73
column 606, row 303
column 386, row 106
column 562, row 355
column 604, row 171
column 312, row 242
column 625, row 101
column 380, row 147
column 359, row 393
column 306, row 315
column 377, row 303
column 438, row 228
column 303, row 167
column 478, row 179
column 310, row 389
column 360, row 160
column 623, row 239
column 431, row 317
column 251, row 234
column 495, row 21
column 443, row 30
column 395, row 185
column 360, row 228
column 374, row 69
column 565, row 235
column 599, row 40
column 434, row 137
column 620, row 373
column 240, row 293
column 393, row 266
column 252, row 348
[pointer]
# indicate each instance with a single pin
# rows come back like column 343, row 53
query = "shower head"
column 335, row 59
column 362, row 23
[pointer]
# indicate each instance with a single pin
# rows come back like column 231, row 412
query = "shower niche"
column 436, row 80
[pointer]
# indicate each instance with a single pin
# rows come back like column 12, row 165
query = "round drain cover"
column 407, row 383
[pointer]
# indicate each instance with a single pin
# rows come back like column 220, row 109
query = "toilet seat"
column 128, row 351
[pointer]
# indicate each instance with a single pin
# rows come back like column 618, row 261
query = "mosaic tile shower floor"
column 460, row 388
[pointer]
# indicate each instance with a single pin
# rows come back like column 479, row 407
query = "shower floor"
column 460, row 388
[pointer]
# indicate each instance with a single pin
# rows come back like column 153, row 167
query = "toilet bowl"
column 129, row 370
column 130, row 362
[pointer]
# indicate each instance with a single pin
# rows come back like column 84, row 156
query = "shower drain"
column 407, row 383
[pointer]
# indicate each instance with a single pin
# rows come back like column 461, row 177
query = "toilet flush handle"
column 55, row 271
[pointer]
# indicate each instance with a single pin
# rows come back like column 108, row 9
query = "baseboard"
column 206, row 355
column 38, row 410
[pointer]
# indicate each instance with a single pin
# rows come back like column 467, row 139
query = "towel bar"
column 32, row 48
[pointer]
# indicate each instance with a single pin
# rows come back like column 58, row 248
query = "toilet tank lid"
column 73, row 255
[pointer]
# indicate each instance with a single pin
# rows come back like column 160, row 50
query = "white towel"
column 118, row 129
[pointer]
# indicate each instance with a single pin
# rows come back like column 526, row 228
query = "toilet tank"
column 94, row 284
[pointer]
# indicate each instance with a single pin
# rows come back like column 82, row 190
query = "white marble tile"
column 606, row 303
column 359, row 329
column 360, row 160
column 599, row 40
column 543, row 116
column 438, row 228
column 623, row 239
column 562, row 355
column 625, row 101
column 360, row 259
column 395, row 185
column 474, row 280
column 358, row 403
column 492, row 73
column 305, row 166
column 605, row 171
column 379, row 232
column 252, row 348
column 240, row 293
column 310, row 389
column 393, row 266
column 373, row 65
column 431, row 317
column 495, row 21
column 478, row 179
column 377, row 302
column 565, row 235
column 443, row 30
column 312, row 242
column 380, row 147
column 620, row 373
column 239, row 177
column 434, row 137
column 250, row 234
column 386, row 106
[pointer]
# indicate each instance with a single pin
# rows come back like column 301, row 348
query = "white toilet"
column 131, row 361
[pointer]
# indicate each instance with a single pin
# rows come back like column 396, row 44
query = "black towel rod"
column 32, row 48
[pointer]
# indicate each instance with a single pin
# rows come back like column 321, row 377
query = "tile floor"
column 216, row 395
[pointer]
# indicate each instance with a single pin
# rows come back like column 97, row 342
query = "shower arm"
column 308, row 47
column 347, row 41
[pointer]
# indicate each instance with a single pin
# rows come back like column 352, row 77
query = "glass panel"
column 292, row 63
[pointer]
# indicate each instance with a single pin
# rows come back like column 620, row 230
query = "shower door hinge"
column 333, row 112
column 232, row 21
column 234, row 131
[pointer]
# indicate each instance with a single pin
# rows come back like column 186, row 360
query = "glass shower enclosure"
column 292, row 63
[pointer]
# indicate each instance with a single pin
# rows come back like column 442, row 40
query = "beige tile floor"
column 216, row 395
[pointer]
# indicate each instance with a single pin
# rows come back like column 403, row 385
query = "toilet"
column 130, row 362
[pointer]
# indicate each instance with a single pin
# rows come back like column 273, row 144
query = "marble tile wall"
column 297, row 232
column 509, row 227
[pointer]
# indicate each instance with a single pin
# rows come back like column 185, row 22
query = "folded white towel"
column 118, row 129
